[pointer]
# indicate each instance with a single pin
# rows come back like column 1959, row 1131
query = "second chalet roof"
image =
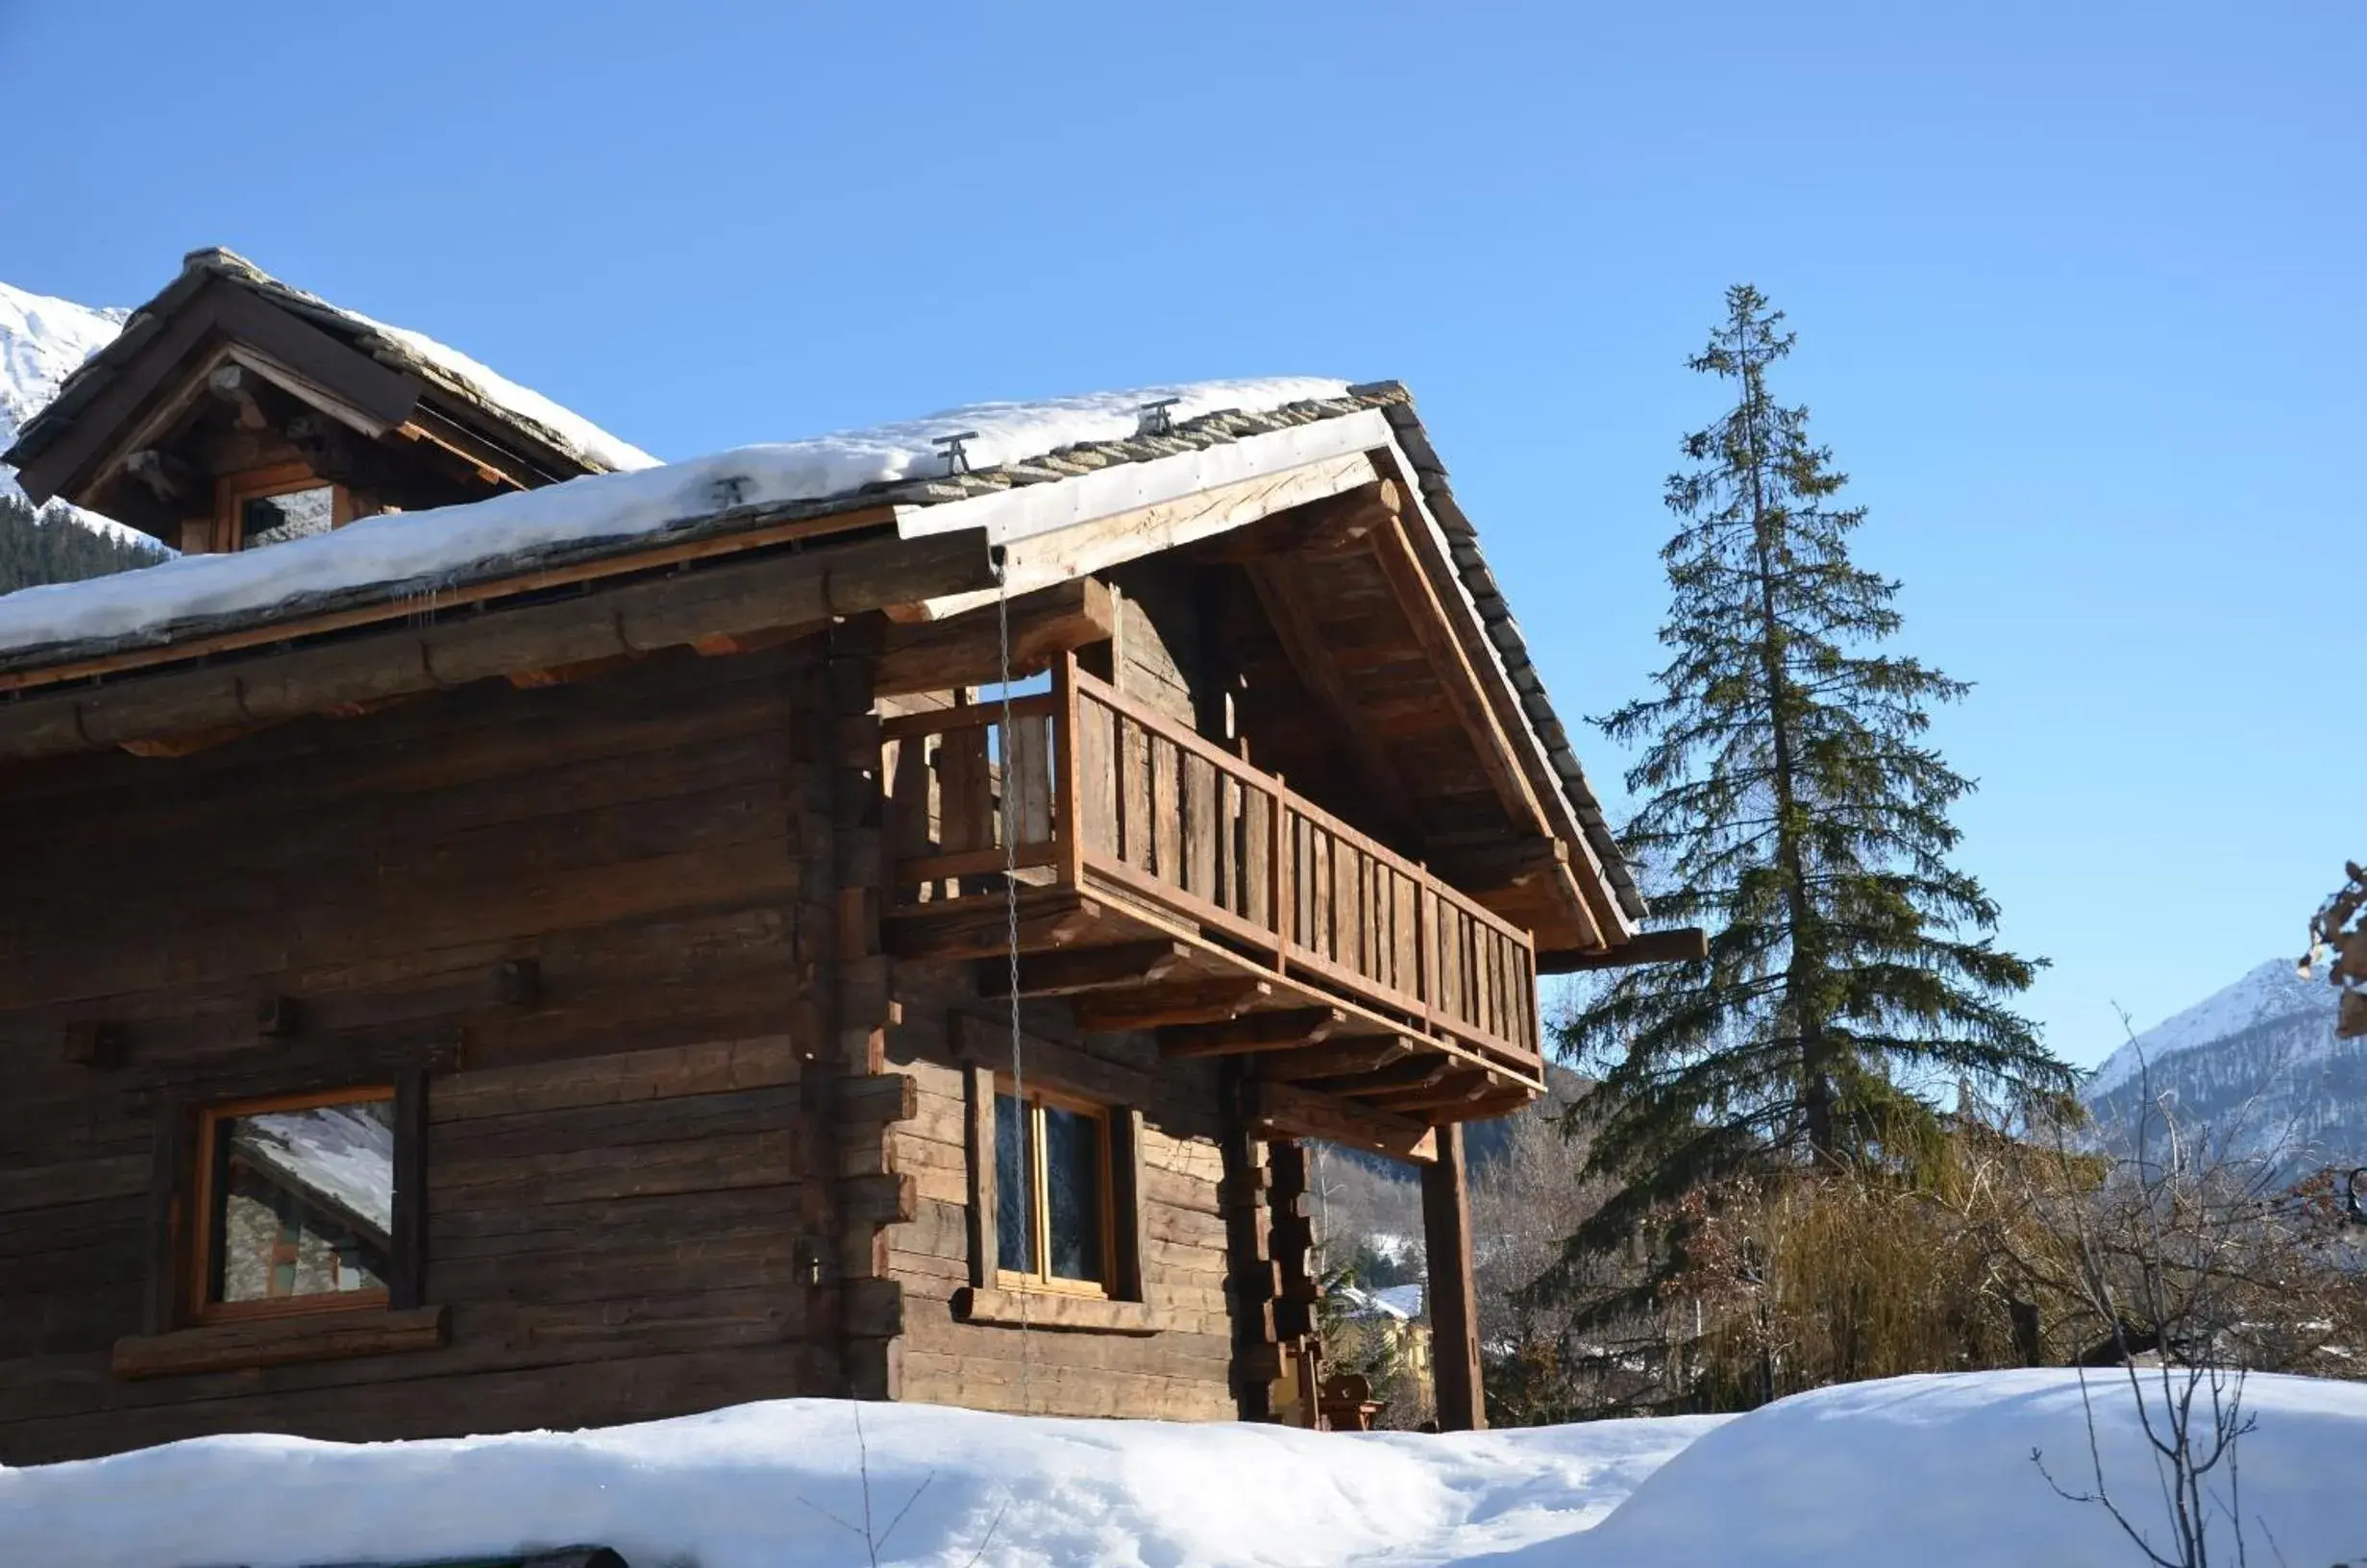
column 453, row 373
column 1025, row 450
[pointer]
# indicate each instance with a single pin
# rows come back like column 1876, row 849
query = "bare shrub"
column 2196, row 1268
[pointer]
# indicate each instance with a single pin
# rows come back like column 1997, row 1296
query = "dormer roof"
column 372, row 378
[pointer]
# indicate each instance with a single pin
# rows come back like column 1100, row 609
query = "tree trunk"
column 1815, row 1073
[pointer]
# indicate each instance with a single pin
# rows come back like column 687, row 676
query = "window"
column 289, row 514
column 1052, row 1199
column 269, row 506
column 295, row 1203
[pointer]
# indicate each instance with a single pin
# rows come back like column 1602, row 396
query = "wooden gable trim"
column 1466, row 691
column 98, row 432
column 1587, row 884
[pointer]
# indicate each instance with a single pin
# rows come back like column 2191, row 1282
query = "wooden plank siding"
column 614, row 1173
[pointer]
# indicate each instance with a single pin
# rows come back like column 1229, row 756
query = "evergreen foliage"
column 37, row 547
column 1791, row 807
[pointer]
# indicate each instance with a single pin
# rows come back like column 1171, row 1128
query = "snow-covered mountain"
column 41, row 341
column 2254, row 1067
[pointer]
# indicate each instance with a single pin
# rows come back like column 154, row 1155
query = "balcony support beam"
column 966, row 650
column 1286, row 1110
column 1151, row 1007
column 1284, row 1029
column 1345, row 1056
column 1070, row 971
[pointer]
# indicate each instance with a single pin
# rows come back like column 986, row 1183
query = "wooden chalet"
column 538, row 954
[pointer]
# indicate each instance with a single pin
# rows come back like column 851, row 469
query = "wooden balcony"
column 1165, row 884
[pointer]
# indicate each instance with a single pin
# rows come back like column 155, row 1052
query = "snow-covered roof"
column 1057, row 461
column 414, row 554
column 1401, row 1303
column 454, row 372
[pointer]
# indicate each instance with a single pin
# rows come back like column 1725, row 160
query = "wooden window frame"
column 197, row 1259
column 232, row 491
column 1032, row 1103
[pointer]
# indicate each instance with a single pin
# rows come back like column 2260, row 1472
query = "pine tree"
column 1792, row 808
column 48, row 546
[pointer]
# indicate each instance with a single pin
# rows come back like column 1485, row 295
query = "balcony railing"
column 1105, row 793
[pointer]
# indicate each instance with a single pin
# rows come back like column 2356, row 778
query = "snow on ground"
column 1933, row 1471
column 749, row 1487
column 1936, row 1471
column 431, row 545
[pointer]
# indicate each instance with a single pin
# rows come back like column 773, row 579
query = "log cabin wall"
column 1159, row 651
column 597, row 915
column 1178, row 1370
column 949, row 1035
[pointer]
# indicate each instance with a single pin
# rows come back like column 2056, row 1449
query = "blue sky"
column 2077, row 290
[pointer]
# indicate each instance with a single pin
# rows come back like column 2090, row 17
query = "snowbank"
column 1931, row 1471
column 423, row 548
column 1936, row 1471
column 749, row 1487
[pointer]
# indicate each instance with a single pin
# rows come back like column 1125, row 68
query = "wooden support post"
column 1454, row 1304
column 864, row 1006
column 1249, row 1282
column 1290, row 1237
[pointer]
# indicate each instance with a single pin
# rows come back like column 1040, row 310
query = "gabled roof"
column 458, row 382
column 1038, row 478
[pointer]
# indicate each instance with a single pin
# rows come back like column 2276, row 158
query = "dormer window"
column 287, row 514
column 268, row 506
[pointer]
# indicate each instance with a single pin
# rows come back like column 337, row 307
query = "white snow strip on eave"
column 423, row 549
column 576, row 432
column 1040, row 525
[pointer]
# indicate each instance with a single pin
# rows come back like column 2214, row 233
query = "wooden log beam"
column 278, row 1341
column 1452, row 1298
column 1287, row 1111
column 1489, row 871
column 1336, row 525
column 167, row 477
column 1678, row 945
column 1342, row 1056
column 1052, row 1310
column 1413, row 1072
column 1452, row 1092
column 806, row 589
column 1151, row 1007
column 964, row 649
column 983, row 930
column 1283, row 1029
column 1068, row 972
column 1465, row 696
